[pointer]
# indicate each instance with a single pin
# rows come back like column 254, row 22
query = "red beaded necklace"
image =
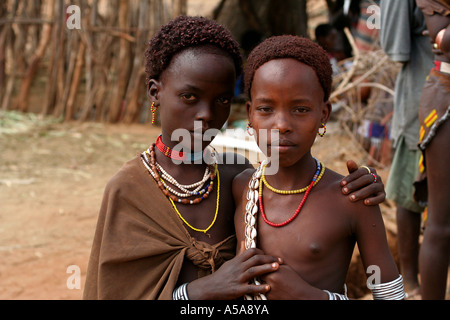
column 277, row 225
column 165, row 150
column 176, row 155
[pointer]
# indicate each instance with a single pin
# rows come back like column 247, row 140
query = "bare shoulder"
column 240, row 182
column 352, row 210
column 239, row 188
column 331, row 182
column 232, row 164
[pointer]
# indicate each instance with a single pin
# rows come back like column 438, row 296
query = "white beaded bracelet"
column 180, row 293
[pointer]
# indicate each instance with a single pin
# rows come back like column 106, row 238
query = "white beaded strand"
column 187, row 193
column 183, row 187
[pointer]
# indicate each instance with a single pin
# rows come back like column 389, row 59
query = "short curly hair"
column 188, row 32
column 287, row 46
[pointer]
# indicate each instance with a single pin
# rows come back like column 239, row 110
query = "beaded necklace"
column 251, row 210
column 185, row 188
column 149, row 161
column 215, row 214
column 308, row 190
column 177, row 155
column 152, row 167
column 263, row 179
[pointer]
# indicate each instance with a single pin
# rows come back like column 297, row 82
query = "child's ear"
column 153, row 90
column 326, row 111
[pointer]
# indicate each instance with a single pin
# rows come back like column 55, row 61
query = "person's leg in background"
column 435, row 250
column 400, row 189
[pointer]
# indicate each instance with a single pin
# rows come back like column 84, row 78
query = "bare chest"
column 317, row 234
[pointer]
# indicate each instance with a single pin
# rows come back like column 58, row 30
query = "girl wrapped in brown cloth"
column 165, row 228
column 432, row 186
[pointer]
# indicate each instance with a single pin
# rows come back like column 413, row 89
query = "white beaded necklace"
column 199, row 190
column 182, row 187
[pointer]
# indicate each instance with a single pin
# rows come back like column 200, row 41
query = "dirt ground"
column 52, row 178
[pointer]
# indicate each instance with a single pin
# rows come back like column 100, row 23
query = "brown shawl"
column 140, row 242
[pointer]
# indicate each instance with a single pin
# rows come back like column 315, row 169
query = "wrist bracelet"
column 336, row 296
column 392, row 290
column 180, row 293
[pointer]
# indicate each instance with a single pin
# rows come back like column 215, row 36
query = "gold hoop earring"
column 321, row 134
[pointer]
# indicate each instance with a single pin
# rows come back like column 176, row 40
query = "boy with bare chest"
column 299, row 213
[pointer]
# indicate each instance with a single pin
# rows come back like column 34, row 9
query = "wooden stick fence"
column 92, row 73
column 97, row 72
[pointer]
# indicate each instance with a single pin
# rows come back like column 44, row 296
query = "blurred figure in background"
column 401, row 37
column 326, row 37
column 433, row 184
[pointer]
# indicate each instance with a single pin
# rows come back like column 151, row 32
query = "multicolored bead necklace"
column 158, row 173
column 317, row 176
column 264, row 181
column 215, row 214
column 149, row 160
column 254, row 194
column 185, row 188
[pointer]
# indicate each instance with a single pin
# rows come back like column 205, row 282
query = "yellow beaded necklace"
column 215, row 215
column 263, row 179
